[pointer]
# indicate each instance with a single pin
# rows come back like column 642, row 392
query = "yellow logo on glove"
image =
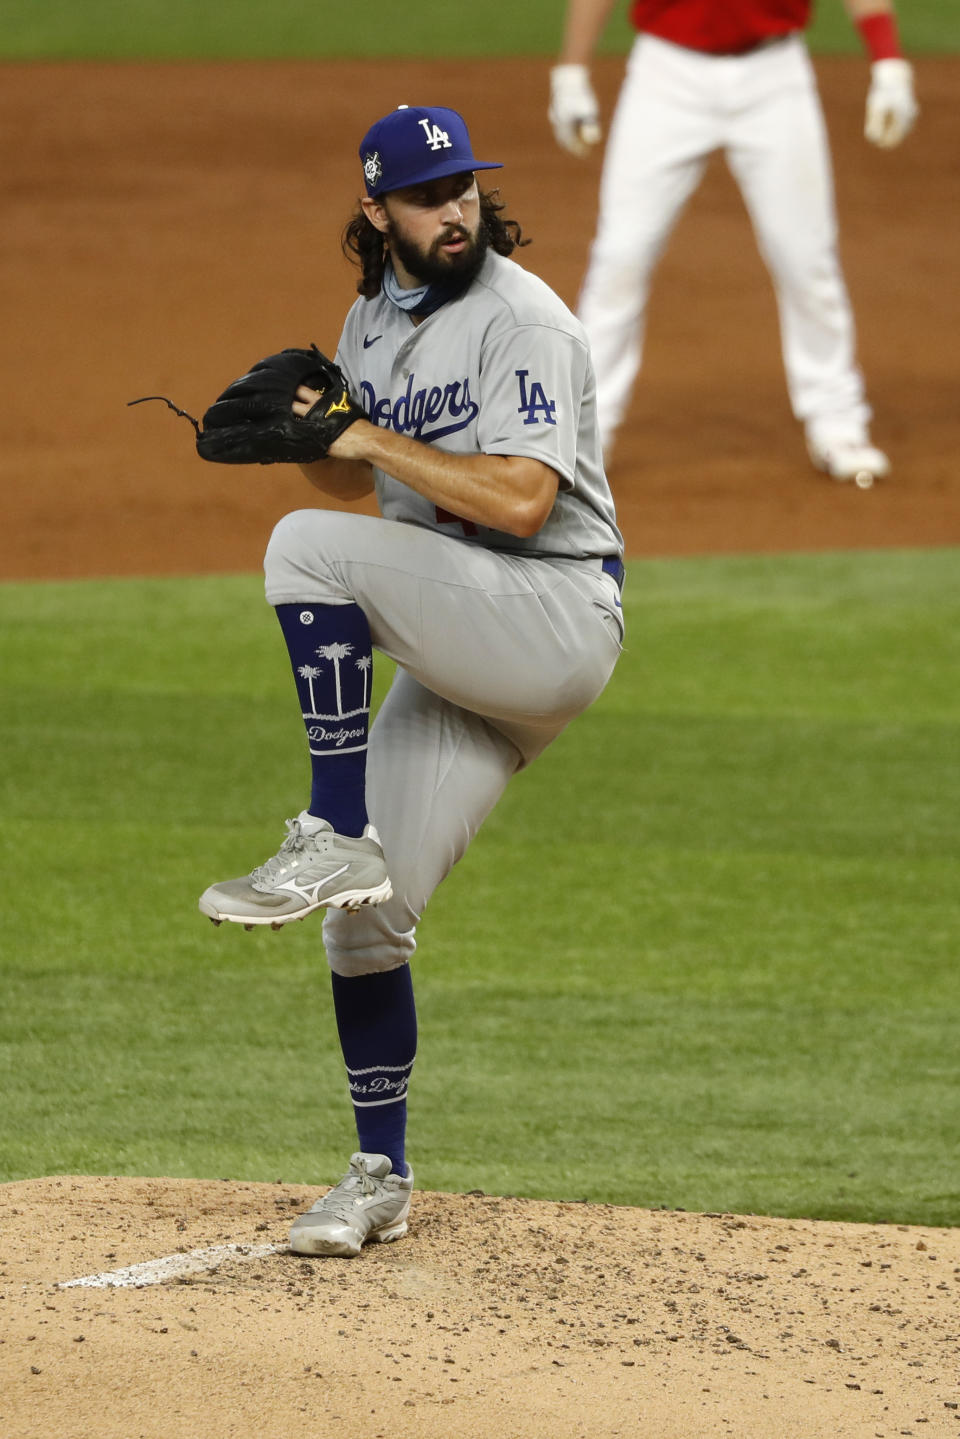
column 341, row 407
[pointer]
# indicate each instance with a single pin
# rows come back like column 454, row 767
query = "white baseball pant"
column 676, row 107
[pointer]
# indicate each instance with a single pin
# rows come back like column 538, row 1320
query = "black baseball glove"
column 252, row 422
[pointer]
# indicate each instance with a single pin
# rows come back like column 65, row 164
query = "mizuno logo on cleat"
column 310, row 891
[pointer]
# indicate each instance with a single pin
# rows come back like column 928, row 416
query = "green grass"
column 703, row 955
column 136, row 29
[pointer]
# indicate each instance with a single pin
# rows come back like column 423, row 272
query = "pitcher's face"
column 433, row 230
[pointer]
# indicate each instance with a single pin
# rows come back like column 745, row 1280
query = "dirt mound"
column 494, row 1317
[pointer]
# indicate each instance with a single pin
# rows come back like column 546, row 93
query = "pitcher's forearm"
column 500, row 492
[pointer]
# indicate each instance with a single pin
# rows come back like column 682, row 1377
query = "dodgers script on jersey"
column 503, row 369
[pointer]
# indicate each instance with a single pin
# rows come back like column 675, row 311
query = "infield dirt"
column 164, row 226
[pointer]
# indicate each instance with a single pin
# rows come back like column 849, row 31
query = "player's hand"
column 305, row 400
column 345, row 446
column 574, row 112
column 891, row 103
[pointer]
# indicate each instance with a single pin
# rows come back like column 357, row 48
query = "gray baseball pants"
column 496, row 653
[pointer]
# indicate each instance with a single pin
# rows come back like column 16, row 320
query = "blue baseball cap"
column 416, row 143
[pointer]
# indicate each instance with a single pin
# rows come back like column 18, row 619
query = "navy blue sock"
column 332, row 658
column 377, row 1024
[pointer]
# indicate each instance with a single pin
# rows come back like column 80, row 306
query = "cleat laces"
column 267, row 874
column 342, row 1200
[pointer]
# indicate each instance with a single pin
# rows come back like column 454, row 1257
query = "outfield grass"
column 136, row 29
column 703, row 955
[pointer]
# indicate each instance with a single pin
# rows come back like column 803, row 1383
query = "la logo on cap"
column 437, row 139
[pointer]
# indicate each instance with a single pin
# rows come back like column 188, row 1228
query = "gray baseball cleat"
column 313, row 868
column 369, row 1204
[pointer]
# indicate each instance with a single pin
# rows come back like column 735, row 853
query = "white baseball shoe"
column 370, row 1204
column 314, row 868
column 849, row 459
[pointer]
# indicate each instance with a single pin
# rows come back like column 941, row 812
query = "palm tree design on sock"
column 310, row 673
column 335, row 653
column 364, row 664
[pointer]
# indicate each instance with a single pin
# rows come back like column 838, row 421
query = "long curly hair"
column 364, row 245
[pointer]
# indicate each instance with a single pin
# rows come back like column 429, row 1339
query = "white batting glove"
column 574, row 112
column 891, row 104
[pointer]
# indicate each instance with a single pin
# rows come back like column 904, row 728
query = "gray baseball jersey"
column 504, row 369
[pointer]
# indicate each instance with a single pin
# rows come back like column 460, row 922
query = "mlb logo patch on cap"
column 415, row 144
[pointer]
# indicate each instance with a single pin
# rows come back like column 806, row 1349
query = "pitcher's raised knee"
column 301, row 561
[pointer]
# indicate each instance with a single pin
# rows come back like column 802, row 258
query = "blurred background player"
column 736, row 76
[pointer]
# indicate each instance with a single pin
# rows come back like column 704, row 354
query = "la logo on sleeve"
column 534, row 403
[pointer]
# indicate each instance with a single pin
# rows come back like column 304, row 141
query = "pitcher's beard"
column 433, row 267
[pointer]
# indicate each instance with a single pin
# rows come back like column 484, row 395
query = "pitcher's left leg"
column 435, row 773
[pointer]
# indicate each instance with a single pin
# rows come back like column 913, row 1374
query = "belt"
column 613, row 565
column 752, row 48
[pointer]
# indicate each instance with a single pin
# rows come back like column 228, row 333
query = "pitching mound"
column 494, row 1316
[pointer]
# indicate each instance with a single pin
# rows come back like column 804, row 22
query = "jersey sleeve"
column 532, row 381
